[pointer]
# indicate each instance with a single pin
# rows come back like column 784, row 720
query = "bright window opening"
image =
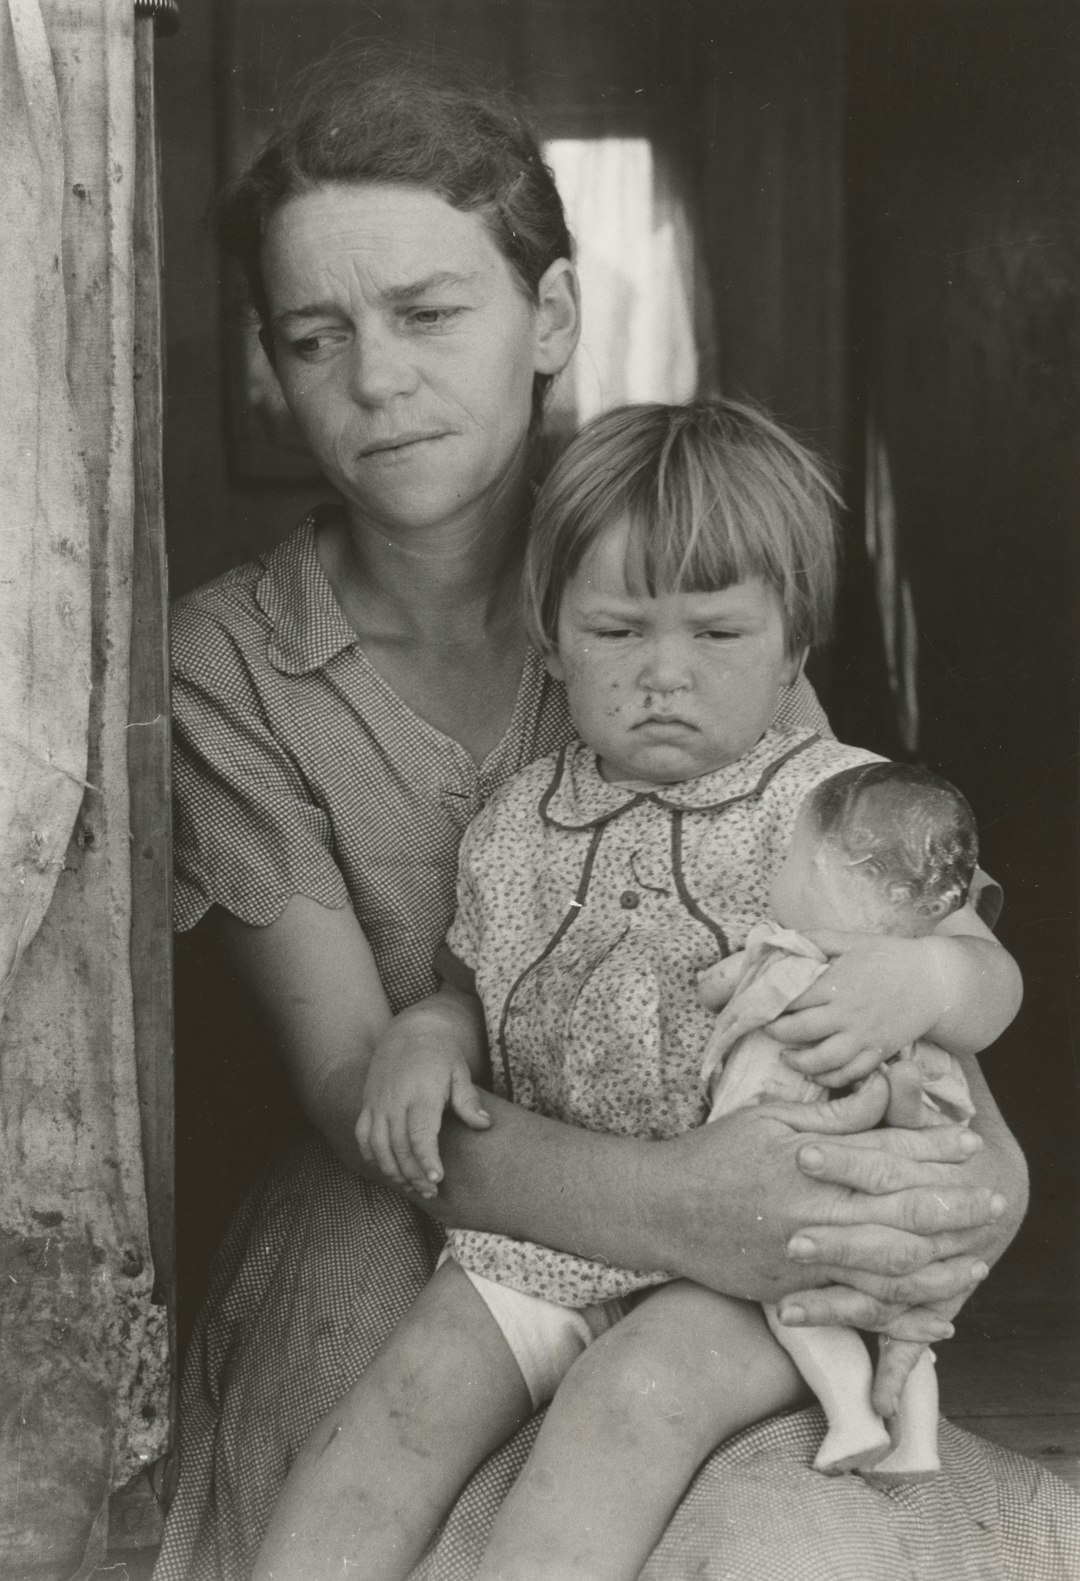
column 636, row 260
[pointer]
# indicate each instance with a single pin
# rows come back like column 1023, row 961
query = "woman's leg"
column 379, row 1472
column 630, row 1425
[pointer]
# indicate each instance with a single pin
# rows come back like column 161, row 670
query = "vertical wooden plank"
column 148, row 709
column 83, row 1383
column 772, row 173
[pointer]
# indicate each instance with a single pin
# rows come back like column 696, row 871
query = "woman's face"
column 406, row 348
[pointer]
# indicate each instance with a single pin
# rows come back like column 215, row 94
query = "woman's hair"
column 910, row 832
column 364, row 116
column 714, row 492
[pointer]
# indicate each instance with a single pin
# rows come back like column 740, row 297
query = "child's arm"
column 956, row 986
column 429, row 1058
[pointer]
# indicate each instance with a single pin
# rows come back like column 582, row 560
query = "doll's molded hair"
column 715, row 493
column 910, row 831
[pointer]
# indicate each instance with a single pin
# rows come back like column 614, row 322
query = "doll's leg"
column 378, row 1472
column 628, row 1428
column 914, row 1427
column 836, row 1364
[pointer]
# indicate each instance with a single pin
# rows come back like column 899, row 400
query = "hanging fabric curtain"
column 83, row 1353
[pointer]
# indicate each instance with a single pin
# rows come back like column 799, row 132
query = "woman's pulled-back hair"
column 714, row 492
column 375, row 115
column 911, row 833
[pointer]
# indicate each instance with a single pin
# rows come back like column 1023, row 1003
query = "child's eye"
column 718, row 634
column 615, row 632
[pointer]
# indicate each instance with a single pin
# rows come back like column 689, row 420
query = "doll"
column 879, row 848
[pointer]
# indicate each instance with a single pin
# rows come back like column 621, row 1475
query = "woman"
column 342, row 709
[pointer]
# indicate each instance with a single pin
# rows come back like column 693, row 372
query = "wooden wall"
column 964, row 202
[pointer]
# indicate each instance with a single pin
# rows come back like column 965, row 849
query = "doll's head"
column 881, row 848
column 681, row 561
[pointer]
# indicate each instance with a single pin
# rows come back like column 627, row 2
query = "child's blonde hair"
column 715, row 492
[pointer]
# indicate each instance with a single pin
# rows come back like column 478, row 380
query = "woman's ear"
column 554, row 664
column 794, row 666
column 558, row 317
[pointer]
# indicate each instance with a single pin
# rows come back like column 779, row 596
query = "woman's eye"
column 310, row 346
column 433, row 317
column 717, row 634
column 613, row 632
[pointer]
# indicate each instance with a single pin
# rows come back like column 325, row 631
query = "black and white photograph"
column 540, row 790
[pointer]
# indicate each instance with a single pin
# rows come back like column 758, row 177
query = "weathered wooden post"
column 84, row 1374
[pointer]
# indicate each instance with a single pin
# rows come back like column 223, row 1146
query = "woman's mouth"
column 394, row 444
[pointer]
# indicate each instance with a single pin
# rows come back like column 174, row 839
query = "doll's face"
column 819, row 887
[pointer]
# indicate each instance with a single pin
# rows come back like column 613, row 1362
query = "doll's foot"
column 908, row 1462
column 844, row 1450
column 877, row 1478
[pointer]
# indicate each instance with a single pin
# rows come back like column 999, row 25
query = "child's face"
column 664, row 689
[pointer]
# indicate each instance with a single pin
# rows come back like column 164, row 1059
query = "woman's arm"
column 718, row 1205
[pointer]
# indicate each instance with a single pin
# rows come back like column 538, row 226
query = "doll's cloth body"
column 744, row 1065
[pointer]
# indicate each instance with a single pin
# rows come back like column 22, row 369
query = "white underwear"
column 545, row 1339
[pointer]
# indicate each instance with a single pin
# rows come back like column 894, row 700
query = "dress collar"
column 307, row 625
column 578, row 797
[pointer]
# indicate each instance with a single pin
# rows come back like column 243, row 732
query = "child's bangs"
column 690, row 531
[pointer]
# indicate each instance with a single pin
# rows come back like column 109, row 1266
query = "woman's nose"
column 380, row 368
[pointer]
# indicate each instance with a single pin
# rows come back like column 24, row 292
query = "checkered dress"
column 299, row 771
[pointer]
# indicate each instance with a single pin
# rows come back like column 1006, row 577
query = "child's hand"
column 879, row 994
column 405, row 1094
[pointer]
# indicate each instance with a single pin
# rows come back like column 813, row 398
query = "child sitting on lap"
column 681, row 561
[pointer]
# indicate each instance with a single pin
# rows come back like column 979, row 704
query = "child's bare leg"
column 837, row 1366
column 631, row 1423
column 378, row 1472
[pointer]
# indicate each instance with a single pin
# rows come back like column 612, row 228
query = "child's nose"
column 666, row 668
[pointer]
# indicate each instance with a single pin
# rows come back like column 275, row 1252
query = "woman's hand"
column 886, row 1219
column 908, row 1287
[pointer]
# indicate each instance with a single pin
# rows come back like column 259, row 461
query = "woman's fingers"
column 889, row 1161
column 896, row 1358
column 928, row 1215
column 903, row 1307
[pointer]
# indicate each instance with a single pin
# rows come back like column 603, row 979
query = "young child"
column 882, row 848
column 681, row 562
